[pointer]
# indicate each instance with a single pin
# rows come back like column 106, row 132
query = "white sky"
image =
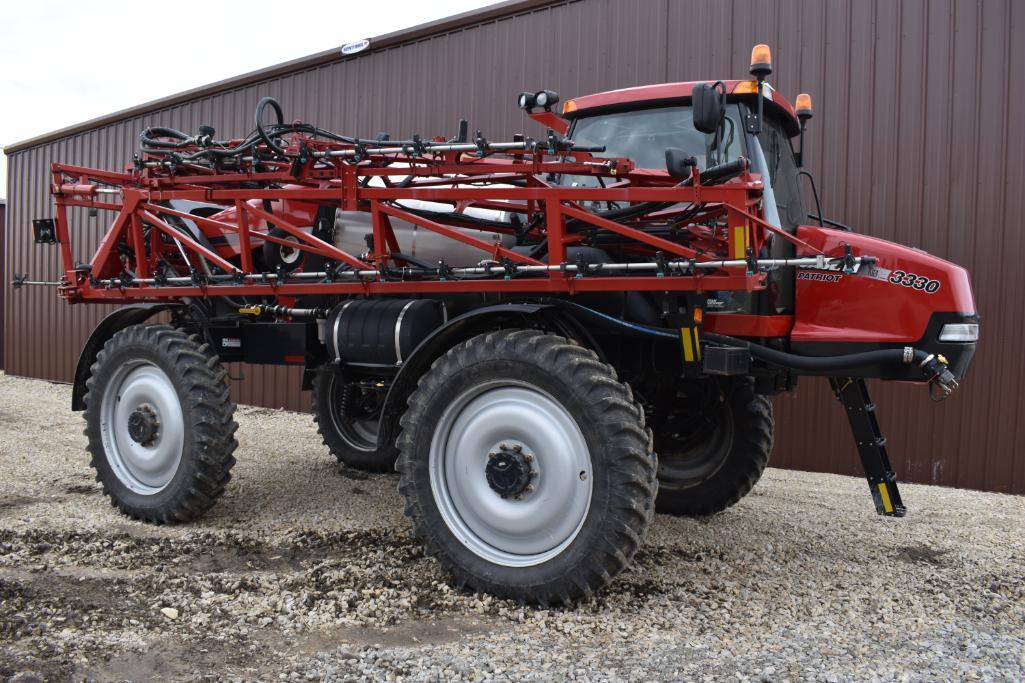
column 63, row 63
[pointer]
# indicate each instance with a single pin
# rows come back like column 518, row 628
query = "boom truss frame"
column 711, row 234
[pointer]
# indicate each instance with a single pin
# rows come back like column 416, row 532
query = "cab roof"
column 669, row 93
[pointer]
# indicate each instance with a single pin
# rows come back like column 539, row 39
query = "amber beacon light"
column 761, row 61
column 802, row 106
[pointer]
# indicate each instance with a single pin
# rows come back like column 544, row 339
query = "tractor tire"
column 287, row 259
column 526, row 467
column 348, row 428
column 160, row 425
column 716, row 465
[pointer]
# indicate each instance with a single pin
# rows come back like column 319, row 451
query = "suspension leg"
column 882, row 480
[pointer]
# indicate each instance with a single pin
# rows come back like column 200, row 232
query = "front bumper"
column 959, row 355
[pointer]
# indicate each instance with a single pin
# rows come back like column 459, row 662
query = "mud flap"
column 882, row 480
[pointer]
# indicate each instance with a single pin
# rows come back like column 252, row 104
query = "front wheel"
column 713, row 446
column 526, row 467
column 159, row 423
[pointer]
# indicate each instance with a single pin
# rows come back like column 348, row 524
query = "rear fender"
column 460, row 329
column 108, row 327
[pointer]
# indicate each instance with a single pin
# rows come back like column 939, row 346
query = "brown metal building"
column 916, row 138
column 3, row 274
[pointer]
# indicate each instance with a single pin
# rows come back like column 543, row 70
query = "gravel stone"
column 304, row 571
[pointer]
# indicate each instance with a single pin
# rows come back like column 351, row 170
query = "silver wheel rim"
column 531, row 528
column 145, row 468
column 290, row 255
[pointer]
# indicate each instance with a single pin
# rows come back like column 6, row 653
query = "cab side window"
column 779, row 156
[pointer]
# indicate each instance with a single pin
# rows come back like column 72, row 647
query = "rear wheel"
column 159, row 423
column 713, row 447
column 286, row 257
column 347, row 416
column 526, row 467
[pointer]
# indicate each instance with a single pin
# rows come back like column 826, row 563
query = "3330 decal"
column 914, row 281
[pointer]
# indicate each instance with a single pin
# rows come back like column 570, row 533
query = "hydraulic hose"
column 260, row 106
column 848, row 361
column 934, row 368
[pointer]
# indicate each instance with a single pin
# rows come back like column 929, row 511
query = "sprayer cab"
column 898, row 297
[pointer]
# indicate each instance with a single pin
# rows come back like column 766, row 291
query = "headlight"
column 959, row 332
column 546, row 98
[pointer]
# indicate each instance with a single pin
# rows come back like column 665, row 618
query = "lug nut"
column 530, row 488
column 517, row 448
column 492, row 455
column 529, row 457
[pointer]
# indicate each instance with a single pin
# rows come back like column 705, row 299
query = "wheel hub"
column 509, row 471
column 144, row 425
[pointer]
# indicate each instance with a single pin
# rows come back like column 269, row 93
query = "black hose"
column 260, row 106
column 787, row 360
column 413, row 260
column 148, row 137
column 818, row 363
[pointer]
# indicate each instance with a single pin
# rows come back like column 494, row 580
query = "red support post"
column 244, row 242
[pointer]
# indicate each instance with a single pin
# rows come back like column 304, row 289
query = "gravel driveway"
column 303, row 572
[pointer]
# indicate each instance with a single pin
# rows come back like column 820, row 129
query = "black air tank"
column 380, row 331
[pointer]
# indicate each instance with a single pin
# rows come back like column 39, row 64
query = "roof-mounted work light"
column 545, row 99
column 526, row 101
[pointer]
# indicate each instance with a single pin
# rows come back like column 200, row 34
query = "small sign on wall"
column 355, row 46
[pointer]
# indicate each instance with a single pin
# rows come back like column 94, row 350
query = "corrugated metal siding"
column 3, row 277
column 913, row 139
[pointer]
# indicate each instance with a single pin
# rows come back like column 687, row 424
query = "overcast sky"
column 69, row 62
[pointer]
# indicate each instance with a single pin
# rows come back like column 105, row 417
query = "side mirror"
column 708, row 107
column 678, row 163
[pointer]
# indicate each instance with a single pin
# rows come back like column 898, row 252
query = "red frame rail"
column 714, row 230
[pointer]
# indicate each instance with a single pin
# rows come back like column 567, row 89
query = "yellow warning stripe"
column 688, row 349
column 691, row 344
column 739, row 241
column 884, row 493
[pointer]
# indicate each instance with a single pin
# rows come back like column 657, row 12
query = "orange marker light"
column 698, row 314
column 803, row 106
column 761, row 60
column 569, row 107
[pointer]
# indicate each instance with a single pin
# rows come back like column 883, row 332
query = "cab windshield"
column 644, row 134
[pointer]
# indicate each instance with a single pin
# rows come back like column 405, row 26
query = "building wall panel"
column 914, row 139
column 3, row 277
